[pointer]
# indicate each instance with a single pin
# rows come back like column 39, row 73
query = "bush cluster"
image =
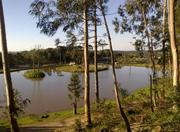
column 34, row 74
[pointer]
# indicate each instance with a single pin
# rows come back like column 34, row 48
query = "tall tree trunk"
column 174, row 50
column 163, row 46
column 151, row 94
column 152, row 56
column 170, row 66
column 33, row 63
column 60, row 56
column 95, row 57
column 7, row 77
column 38, row 64
column 38, row 57
column 75, row 107
column 116, row 89
column 86, row 68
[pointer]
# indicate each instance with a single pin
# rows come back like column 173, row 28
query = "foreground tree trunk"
column 7, row 78
column 86, row 69
column 151, row 93
column 163, row 45
column 95, row 57
column 116, row 89
column 174, row 50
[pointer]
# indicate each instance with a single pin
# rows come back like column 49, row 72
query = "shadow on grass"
column 33, row 129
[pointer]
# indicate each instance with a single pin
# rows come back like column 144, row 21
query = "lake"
column 51, row 94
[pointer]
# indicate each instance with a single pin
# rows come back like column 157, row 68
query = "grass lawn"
column 79, row 68
column 38, row 119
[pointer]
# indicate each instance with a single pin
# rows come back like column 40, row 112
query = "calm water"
column 51, row 94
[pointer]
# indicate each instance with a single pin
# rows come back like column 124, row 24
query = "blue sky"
column 22, row 33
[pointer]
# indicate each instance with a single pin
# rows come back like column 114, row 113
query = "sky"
column 22, row 33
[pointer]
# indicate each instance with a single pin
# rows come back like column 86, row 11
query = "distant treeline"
column 59, row 55
column 65, row 55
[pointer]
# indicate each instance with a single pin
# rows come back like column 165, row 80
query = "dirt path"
column 56, row 125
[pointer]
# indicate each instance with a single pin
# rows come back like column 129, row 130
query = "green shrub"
column 34, row 74
column 108, row 117
column 78, row 126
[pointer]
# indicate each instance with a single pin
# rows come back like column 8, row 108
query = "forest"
column 83, row 84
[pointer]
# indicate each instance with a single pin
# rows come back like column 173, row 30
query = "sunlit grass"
column 37, row 119
column 79, row 68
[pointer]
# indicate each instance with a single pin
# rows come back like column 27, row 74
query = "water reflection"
column 51, row 93
column 37, row 95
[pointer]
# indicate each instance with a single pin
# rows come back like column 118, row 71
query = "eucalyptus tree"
column 32, row 55
column 12, row 112
column 144, row 19
column 102, row 43
column 86, row 66
column 57, row 43
column 174, row 49
column 177, row 20
column 95, row 54
column 116, row 89
column 92, row 17
column 177, row 24
column 164, row 38
column 68, row 14
column 139, row 46
column 53, row 15
column 37, row 48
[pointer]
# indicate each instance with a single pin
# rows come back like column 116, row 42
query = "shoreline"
column 106, row 67
column 65, row 119
column 58, row 67
column 28, row 120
